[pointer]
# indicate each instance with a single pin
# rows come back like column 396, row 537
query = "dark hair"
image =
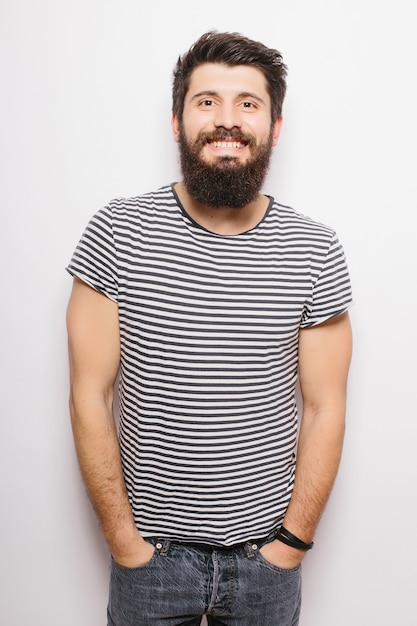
column 230, row 49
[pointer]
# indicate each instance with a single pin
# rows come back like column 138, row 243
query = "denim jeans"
column 233, row 586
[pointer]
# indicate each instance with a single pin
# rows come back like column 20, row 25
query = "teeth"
column 227, row 144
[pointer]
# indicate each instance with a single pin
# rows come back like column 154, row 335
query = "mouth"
column 231, row 143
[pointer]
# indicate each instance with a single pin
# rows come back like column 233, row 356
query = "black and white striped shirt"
column 209, row 330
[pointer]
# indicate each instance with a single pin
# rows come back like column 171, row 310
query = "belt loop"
column 163, row 546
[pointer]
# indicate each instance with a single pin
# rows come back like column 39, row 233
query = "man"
column 211, row 300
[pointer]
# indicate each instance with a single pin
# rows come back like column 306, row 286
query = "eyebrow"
column 243, row 94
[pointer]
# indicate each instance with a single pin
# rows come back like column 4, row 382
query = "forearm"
column 318, row 457
column 324, row 359
column 98, row 453
column 94, row 358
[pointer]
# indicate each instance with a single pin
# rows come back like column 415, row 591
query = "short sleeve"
column 331, row 292
column 94, row 260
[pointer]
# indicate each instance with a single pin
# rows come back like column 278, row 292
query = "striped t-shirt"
column 209, row 329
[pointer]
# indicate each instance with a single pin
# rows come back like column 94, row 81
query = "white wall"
column 85, row 117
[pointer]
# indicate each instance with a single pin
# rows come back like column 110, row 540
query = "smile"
column 228, row 144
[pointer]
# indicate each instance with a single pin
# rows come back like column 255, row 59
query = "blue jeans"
column 233, row 586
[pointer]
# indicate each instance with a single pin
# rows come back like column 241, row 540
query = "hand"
column 281, row 555
column 136, row 553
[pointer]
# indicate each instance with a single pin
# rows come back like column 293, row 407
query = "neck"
column 223, row 220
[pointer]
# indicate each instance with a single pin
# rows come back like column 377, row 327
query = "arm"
column 94, row 356
column 324, row 360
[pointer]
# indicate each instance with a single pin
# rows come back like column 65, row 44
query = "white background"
column 85, row 117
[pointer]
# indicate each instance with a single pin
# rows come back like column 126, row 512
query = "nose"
column 227, row 116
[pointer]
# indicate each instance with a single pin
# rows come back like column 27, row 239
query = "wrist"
column 285, row 536
column 282, row 555
column 121, row 541
column 122, row 550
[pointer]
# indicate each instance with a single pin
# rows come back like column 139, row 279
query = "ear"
column 276, row 130
column 175, row 124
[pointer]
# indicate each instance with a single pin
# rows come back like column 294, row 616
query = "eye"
column 248, row 105
column 207, row 102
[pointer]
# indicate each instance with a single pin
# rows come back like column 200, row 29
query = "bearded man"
column 211, row 301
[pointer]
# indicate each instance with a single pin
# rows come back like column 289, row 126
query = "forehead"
column 227, row 79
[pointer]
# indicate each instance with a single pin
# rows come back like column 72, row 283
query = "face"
column 226, row 136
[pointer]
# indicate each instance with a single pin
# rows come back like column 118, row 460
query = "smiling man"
column 211, row 301
column 226, row 137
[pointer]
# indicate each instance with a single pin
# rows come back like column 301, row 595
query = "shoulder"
column 132, row 212
column 124, row 205
column 291, row 218
column 294, row 228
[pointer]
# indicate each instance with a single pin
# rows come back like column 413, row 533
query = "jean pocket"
column 278, row 568
column 124, row 568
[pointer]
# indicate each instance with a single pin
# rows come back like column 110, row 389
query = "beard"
column 226, row 182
